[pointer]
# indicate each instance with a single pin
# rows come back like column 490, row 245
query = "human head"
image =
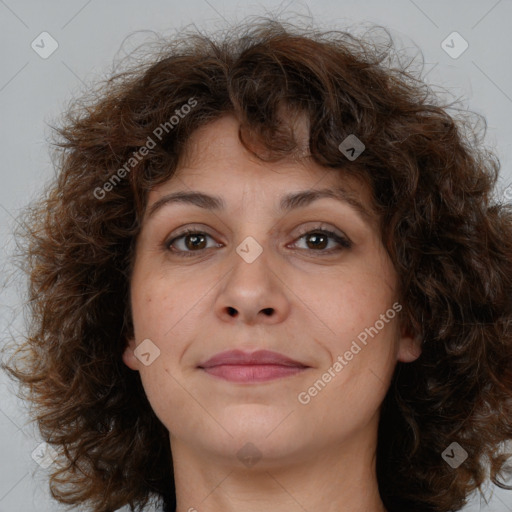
column 429, row 189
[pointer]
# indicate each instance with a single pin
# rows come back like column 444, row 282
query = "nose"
column 253, row 292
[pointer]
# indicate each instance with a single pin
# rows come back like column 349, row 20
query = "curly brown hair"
column 431, row 181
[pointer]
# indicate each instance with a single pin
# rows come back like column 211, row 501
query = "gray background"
column 34, row 91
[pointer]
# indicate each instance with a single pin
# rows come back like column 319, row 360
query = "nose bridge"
column 251, row 261
column 251, row 289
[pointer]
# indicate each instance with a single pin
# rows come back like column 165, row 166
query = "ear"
column 409, row 347
column 129, row 358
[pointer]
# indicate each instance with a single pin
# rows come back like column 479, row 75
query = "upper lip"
column 238, row 357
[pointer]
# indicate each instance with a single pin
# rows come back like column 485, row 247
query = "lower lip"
column 253, row 373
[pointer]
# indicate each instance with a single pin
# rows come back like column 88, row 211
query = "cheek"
column 355, row 303
column 146, row 311
column 362, row 318
column 157, row 305
column 157, row 311
column 350, row 389
column 165, row 297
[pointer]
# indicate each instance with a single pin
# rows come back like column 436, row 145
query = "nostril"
column 231, row 311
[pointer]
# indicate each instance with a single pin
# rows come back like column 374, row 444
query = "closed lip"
column 260, row 357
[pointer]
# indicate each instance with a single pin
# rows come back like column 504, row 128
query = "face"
column 256, row 274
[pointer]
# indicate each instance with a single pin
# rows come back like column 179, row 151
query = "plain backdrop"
column 34, row 91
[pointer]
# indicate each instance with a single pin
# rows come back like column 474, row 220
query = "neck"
column 341, row 479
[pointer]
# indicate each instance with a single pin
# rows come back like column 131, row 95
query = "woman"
column 269, row 276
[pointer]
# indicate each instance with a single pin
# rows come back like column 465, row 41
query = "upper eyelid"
column 304, row 230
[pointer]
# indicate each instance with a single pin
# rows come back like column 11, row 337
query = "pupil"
column 317, row 237
column 194, row 239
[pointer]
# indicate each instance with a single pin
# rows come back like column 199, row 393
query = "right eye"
column 192, row 241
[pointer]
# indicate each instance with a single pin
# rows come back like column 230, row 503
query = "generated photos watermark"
column 454, row 455
column 304, row 397
column 159, row 132
column 507, row 193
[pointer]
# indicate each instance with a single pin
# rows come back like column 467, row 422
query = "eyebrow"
column 289, row 202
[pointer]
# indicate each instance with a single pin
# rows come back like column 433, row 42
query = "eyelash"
column 345, row 243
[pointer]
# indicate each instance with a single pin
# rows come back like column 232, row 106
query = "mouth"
column 259, row 366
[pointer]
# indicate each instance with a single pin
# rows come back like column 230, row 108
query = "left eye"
column 317, row 236
column 195, row 241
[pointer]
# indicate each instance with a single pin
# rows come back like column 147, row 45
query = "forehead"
column 217, row 173
column 214, row 157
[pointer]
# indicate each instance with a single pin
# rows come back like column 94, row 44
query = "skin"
column 297, row 298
